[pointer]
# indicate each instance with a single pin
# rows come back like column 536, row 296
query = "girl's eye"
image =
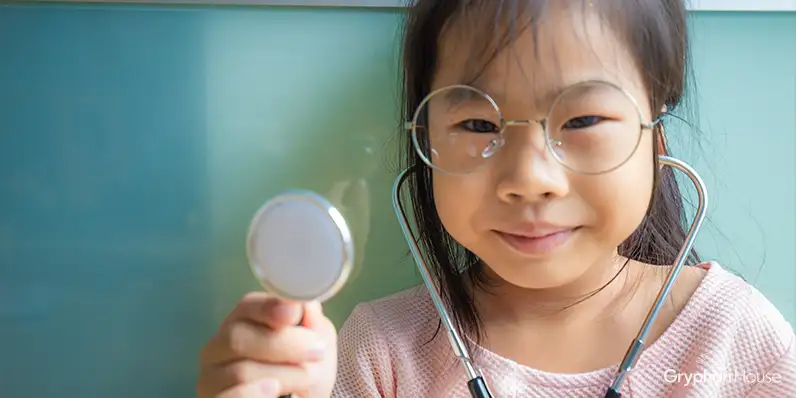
column 479, row 126
column 582, row 122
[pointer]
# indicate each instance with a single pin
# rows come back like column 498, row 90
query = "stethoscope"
column 301, row 248
column 476, row 383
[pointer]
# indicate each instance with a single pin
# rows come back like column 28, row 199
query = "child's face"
column 522, row 188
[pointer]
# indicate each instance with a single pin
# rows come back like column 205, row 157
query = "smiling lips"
column 534, row 239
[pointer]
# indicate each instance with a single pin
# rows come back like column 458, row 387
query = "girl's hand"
column 259, row 352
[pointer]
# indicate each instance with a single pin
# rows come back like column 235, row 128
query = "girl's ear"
column 661, row 137
column 662, row 147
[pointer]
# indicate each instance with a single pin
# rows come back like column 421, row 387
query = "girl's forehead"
column 542, row 59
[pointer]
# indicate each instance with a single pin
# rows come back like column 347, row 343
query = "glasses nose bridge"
column 518, row 122
column 546, row 140
column 524, row 122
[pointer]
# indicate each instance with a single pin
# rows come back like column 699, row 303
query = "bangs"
column 477, row 31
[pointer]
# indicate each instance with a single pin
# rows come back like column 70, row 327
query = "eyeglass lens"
column 591, row 127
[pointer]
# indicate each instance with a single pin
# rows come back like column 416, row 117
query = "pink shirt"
column 729, row 341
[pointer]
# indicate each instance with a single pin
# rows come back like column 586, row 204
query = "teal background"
column 137, row 141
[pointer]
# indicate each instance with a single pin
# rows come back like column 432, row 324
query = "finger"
column 227, row 381
column 255, row 307
column 292, row 345
column 265, row 388
column 315, row 319
column 246, row 340
column 290, row 378
column 268, row 310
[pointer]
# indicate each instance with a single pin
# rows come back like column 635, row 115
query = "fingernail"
column 269, row 387
column 316, row 351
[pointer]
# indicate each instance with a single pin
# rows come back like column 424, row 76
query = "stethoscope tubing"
column 476, row 383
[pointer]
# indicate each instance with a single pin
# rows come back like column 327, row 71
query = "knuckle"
column 205, row 385
column 241, row 373
column 239, row 338
column 254, row 305
column 208, row 353
column 237, row 393
column 251, row 297
column 204, row 356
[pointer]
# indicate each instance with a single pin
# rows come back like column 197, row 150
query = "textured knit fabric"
column 728, row 341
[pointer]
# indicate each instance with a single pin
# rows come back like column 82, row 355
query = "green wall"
column 137, row 141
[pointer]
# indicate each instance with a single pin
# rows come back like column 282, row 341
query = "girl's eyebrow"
column 455, row 97
column 543, row 97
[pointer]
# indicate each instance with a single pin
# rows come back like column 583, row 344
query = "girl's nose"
column 526, row 171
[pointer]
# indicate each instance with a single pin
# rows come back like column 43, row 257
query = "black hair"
column 654, row 31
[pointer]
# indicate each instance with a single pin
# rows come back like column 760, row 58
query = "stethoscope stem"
column 478, row 388
column 456, row 341
column 635, row 349
column 476, row 384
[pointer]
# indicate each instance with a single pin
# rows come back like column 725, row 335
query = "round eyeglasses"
column 592, row 127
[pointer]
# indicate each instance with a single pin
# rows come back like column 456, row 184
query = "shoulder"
column 750, row 311
column 732, row 314
column 713, row 297
column 731, row 331
column 380, row 340
column 402, row 314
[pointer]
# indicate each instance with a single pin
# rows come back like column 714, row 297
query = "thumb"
column 314, row 317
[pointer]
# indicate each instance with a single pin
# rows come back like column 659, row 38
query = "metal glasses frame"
column 413, row 125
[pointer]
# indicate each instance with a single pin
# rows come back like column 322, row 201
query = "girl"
column 543, row 211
